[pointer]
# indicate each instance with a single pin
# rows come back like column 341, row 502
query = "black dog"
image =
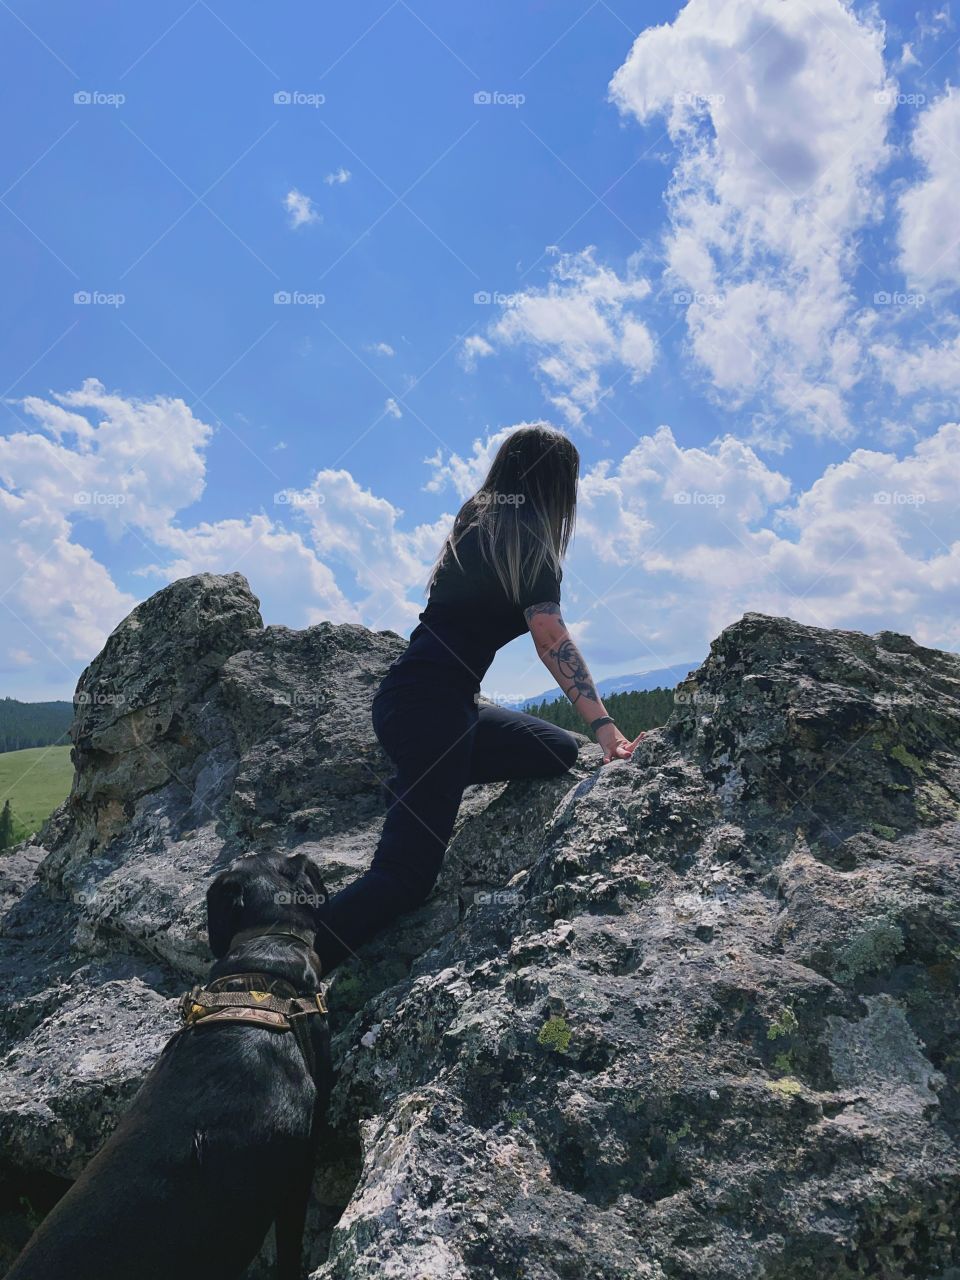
column 221, row 1139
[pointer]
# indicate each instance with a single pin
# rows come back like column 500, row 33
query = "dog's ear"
column 224, row 904
column 293, row 866
column 313, row 875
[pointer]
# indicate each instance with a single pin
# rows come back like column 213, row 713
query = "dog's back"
column 188, row 1185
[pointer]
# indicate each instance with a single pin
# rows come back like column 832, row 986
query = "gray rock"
column 692, row 1015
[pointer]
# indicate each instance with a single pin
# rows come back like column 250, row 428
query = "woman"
column 497, row 575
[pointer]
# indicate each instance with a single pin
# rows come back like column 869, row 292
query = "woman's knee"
column 566, row 749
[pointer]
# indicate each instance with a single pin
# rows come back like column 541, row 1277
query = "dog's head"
column 262, row 889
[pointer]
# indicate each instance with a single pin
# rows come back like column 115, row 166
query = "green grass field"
column 35, row 781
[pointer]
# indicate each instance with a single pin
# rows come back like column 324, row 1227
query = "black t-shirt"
column 469, row 616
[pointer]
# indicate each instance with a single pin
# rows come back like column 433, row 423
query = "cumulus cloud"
column 584, row 323
column 674, row 544
column 392, row 408
column 929, row 238
column 382, row 349
column 338, row 177
column 300, row 209
column 465, row 474
column 361, row 534
column 90, row 460
column 779, row 115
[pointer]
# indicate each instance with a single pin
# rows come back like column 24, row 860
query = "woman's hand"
column 614, row 745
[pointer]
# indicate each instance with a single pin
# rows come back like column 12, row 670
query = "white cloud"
column 130, row 466
column 392, row 408
column 873, row 544
column 338, row 177
column 382, row 349
column 361, row 534
column 465, row 475
column 291, row 581
column 929, row 232
column 582, row 324
column 472, row 350
column 927, row 367
column 301, row 209
column 779, row 114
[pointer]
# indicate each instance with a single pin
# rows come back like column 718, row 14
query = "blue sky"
column 716, row 242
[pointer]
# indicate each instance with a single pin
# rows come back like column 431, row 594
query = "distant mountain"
column 33, row 724
column 661, row 678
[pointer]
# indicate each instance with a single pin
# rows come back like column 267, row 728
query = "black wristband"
column 600, row 720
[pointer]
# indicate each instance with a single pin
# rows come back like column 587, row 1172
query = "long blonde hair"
column 525, row 509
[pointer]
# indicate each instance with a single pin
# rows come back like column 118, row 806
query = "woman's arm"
column 566, row 664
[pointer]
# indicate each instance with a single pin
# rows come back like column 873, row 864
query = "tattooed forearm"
column 548, row 607
column 574, row 678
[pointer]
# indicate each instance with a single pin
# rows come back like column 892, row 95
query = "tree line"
column 634, row 711
column 33, row 724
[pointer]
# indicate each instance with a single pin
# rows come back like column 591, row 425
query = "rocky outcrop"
column 692, row 1015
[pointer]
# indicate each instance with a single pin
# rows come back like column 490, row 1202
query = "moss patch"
column 555, row 1034
column 872, row 950
column 903, row 756
column 788, row 1085
column 785, row 1025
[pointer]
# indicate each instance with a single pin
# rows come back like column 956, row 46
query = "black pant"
column 439, row 740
